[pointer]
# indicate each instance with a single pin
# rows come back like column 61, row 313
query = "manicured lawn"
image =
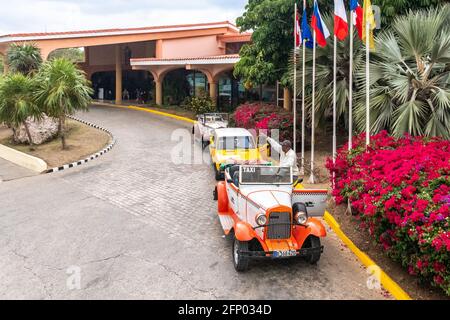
column 82, row 141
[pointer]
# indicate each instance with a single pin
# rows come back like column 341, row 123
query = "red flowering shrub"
column 400, row 189
column 264, row 116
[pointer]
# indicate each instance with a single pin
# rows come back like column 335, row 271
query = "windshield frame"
column 242, row 167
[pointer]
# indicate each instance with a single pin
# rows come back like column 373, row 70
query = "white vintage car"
column 270, row 215
column 206, row 124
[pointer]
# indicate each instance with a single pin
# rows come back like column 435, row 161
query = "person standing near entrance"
column 125, row 95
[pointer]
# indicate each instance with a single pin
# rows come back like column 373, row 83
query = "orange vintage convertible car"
column 270, row 215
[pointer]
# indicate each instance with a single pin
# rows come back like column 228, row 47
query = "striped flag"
column 298, row 31
column 357, row 16
column 340, row 20
column 317, row 23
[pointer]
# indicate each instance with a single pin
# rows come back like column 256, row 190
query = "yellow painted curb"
column 161, row 113
column 390, row 285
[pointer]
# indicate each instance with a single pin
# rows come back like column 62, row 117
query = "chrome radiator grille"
column 279, row 225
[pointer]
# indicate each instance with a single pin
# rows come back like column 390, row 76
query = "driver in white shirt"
column 288, row 157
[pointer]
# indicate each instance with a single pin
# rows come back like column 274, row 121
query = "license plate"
column 284, row 254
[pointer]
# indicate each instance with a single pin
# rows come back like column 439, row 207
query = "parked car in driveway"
column 269, row 215
column 206, row 124
column 233, row 146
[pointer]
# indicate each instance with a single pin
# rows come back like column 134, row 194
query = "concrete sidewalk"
column 10, row 171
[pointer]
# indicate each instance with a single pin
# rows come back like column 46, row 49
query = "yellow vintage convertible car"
column 234, row 146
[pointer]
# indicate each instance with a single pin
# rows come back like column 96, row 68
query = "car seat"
column 234, row 174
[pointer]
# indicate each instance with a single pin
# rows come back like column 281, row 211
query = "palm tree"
column 25, row 59
column 63, row 89
column 324, row 75
column 17, row 103
column 410, row 83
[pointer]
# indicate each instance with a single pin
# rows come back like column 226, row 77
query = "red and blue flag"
column 357, row 16
column 317, row 23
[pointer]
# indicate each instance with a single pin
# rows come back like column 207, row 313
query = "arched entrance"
column 231, row 92
column 136, row 84
column 181, row 83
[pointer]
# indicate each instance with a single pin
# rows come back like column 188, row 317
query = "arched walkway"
column 138, row 85
column 181, row 83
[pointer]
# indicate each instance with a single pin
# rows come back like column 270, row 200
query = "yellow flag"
column 368, row 21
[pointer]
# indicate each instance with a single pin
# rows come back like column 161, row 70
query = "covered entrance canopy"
column 209, row 48
column 212, row 66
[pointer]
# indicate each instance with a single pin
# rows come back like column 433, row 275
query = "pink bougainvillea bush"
column 266, row 117
column 400, row 190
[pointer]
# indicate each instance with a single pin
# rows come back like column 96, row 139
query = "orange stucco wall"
column 191, row 47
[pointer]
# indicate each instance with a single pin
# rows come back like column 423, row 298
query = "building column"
column 158, row 92
column 213, row 92
column 287, row 99
column 118, row 74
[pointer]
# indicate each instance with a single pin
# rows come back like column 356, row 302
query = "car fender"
column 244, row 231
column 222, row 198
column 316, row 228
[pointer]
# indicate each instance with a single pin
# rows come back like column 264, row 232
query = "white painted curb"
column 22, row 159
column 91, row 157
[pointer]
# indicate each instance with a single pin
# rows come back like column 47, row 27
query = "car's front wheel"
column 240, row 261
column 313, row 242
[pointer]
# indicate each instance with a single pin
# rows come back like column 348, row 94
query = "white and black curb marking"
column 90, row 158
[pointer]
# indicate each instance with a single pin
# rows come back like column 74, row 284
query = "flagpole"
column 334, row 101
column 313, row 109
column 350, row 88
column 302, row 167
column 295, row 78
column 367, row 82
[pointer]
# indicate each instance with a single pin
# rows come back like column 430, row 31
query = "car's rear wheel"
column 240, row 261
column 313, row 242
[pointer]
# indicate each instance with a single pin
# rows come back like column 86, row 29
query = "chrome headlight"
column 261, row 219
column 301, row 217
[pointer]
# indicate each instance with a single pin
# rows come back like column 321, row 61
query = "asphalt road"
column 134, row 225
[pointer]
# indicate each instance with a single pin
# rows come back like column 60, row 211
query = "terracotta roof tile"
column 230, row 37
column 19, row 35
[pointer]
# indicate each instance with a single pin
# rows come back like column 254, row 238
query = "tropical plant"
column 2, row 64
column 264, row 116
column 410, row 83
column 17, row 103
column 201, row 104
column 76, row 55
column 63, row 90
column 24, row 58
column 399, row 190
column 390, row 9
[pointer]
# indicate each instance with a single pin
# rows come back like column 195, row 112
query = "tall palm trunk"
column 27, row 130
column 62, row 129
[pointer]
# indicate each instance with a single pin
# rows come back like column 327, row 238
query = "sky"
column 25, row 16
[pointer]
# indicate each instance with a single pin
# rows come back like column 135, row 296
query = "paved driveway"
column 133, row 224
